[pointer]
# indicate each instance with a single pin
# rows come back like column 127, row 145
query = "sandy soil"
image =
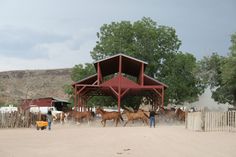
column 87, row 141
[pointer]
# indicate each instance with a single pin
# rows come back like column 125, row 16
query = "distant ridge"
column 20, row 84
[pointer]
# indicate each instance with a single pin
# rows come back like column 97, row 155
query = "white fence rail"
column 211, row 121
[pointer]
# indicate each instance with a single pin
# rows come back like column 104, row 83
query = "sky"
column 48, row 34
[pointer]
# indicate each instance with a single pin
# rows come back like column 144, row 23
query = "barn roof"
column 129, row 65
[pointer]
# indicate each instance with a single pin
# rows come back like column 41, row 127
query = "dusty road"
column 77, row 141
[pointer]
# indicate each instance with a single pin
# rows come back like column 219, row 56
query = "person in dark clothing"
column 49, row 119
column 152, row 118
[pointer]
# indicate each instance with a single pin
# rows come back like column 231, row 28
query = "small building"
column 59, row 104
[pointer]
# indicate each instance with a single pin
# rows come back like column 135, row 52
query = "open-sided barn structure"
column 119, row 76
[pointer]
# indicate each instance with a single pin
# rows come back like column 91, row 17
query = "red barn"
column 59, row 104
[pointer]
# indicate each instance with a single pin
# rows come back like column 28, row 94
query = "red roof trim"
column 85, row 79
column 148, row 77
column 120, row 54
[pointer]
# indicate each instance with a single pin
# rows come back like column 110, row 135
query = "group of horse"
column 63, row 117
column 171, row 114
column 131, row 116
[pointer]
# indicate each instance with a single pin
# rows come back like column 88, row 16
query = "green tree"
column 220, row 74
column 143, row 39
column 158, row 45
column 81, row 71
column 210, row 69
column 179, row 73
column 226, row 91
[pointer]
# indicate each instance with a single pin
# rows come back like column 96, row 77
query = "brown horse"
column 167, row 114
column 116, row 116
column 139, row 115
column 79, row 116
column 180, row 114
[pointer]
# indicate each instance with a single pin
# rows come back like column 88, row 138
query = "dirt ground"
column 72, row 140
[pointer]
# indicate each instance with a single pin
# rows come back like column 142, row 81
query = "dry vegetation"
column 16, row 85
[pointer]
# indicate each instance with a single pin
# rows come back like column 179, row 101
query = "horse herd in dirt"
column 162, row 113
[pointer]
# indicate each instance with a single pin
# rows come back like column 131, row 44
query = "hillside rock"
column 17, row 85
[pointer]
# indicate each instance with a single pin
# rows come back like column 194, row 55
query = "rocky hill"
column 16, row 85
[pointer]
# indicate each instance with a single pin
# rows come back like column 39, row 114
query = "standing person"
column 49, row 119
column 152, row 118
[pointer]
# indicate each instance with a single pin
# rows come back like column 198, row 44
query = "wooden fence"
column 19, row 119
column 211, row 121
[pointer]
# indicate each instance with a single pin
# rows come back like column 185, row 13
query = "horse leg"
column 78, row 121
column 54, row 118
column 89, row 119
column 117, row 120
column 143, row 120
column 126, row 122
column 61, row 118
column 104, row 123
column 146, row 121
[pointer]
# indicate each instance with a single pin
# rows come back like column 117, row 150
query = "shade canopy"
column 118, row 76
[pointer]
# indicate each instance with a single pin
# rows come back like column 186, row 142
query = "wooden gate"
column 211, row 121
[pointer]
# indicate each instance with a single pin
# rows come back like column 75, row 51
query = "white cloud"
column 66, row 52
column 19, row 42
column 55, row 34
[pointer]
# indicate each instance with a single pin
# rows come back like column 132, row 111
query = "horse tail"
column 145, row 115
column 121, row 117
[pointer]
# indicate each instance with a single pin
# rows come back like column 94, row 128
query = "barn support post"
column 141, row 74
column 78, row 103
column 86, row 98
column 99, row 75
column 75, row 97
column 82, row 104
column 119, row 103
column 162, row 97
column 119, row 87
column 119, row 95
column 85, row 105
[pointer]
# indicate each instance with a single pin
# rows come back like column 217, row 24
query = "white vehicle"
column 8, row 109
column 43, row 110
column 36, row 109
